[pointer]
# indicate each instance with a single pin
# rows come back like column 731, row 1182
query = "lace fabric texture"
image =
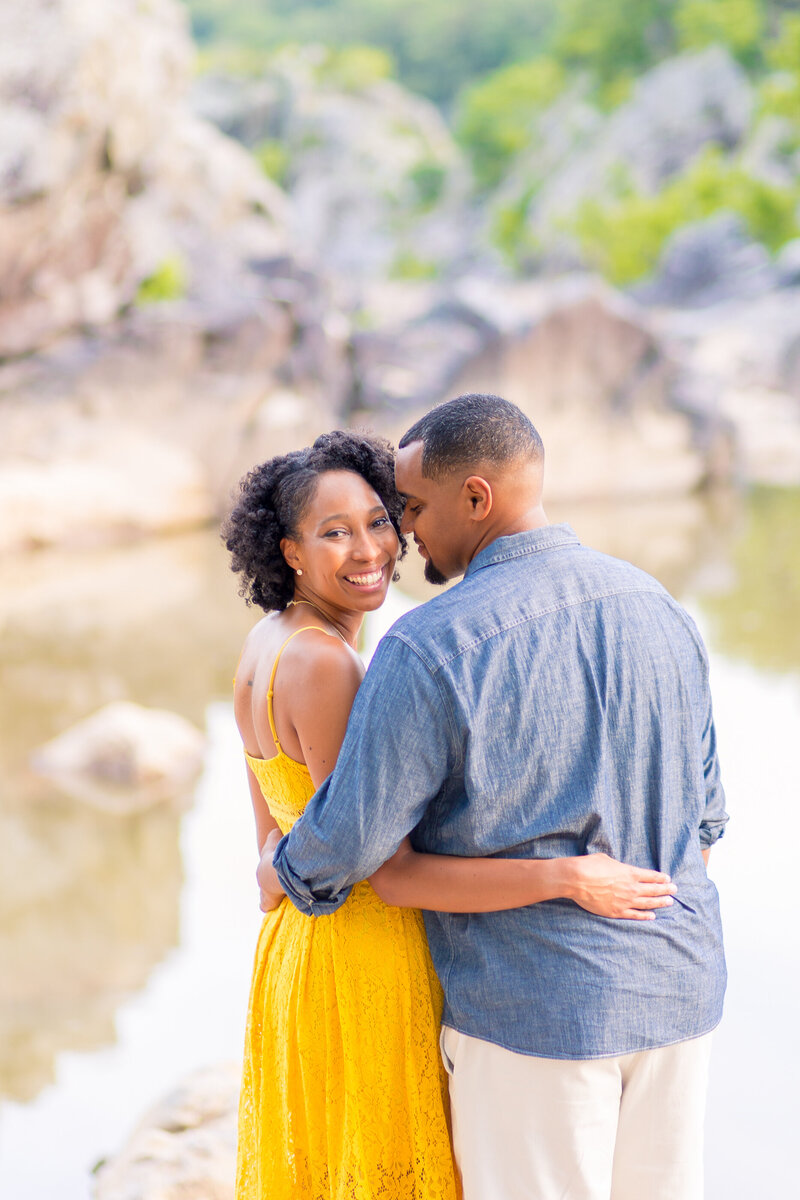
column 344, row 1096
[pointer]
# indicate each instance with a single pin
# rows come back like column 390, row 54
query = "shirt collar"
column 516, row 545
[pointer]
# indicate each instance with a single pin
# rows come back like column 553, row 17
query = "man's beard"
column 433, row 574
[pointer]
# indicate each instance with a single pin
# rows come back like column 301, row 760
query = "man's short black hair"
column 472, row 430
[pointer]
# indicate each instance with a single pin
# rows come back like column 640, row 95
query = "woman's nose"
column 366, row 547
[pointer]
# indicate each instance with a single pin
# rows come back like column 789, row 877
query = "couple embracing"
column 530, row 759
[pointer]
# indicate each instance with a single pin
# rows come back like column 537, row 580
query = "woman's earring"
column 299, row 572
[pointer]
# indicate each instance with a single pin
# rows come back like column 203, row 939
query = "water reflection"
column 753, row 614
column 90, row 902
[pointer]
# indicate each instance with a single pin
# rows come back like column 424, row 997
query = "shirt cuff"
column 711, row 832
column 311, row 903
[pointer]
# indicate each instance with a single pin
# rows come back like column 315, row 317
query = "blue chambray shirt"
column 554, row 702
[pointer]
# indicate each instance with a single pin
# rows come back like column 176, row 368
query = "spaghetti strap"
column 271, row 689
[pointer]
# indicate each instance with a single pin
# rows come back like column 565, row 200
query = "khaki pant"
column 625, row 1128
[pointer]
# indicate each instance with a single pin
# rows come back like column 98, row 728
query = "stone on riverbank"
column 124, row 758
column 184, row 1148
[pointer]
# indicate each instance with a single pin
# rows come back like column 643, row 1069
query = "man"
column 554, row 702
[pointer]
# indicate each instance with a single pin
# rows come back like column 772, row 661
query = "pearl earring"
column 299, row 572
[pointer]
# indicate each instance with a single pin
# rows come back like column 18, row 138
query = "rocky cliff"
column 168, row 314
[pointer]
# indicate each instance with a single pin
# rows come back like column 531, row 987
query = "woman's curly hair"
column 274, row 496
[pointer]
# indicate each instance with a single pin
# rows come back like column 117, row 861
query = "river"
column 126, row 943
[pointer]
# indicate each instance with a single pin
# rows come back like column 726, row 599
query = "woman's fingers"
column 655, row 889
column 651, row 902
column 645, row 875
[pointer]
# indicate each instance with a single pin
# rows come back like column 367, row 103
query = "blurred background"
column 228, row 225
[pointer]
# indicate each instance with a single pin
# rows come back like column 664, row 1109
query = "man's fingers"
column 647, row 876
column 633, row 914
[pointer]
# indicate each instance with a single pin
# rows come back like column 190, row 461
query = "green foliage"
column 167, row 282
column 624, row 238
column 780, row 93
column 354, row 68
column 510, row 233
column 617, row 38
column 428, row 179
column 408, row 266
column 738, row 24
column 496, row 116
column 273, row 158
column 437, row 45
column 757, row 620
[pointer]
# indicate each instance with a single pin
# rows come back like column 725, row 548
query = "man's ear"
column 289, row 552
column 478, row 496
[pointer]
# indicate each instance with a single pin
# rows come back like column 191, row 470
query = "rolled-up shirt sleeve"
column 398, row 751
column 715, row 818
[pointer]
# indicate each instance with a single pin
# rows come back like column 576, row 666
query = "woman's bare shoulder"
column 322, row 660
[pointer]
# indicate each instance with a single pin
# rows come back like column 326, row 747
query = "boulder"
column 105, row 174
column 582, row 360
column 124, row 758
column 184, row 1148
column 116, row 485
column 745, row 355
column 709, row 262
column 377, row 184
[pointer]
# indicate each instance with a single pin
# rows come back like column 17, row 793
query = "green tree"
column 438, row 45
column 780, row 92
column 624, row 238
column 496, row 117
column 615, row 40
column 737, row 24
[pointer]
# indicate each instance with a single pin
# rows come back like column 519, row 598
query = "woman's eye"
column 334, row 533
column 380, row 522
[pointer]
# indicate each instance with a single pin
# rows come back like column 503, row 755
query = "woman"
column 344, row 1096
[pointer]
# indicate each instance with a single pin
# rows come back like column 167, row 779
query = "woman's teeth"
column 366, row 580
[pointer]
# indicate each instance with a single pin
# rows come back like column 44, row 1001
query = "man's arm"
column 715, row 818
column 399, row 748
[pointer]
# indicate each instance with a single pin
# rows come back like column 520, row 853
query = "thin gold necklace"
column 294, row 603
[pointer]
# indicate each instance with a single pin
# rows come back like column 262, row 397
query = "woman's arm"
column 316, row 708
column 443, row 883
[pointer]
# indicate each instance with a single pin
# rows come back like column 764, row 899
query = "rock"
column 577, row 153
column 582, row 360
column 415, row 364
column 117, row 485
column 184, row 1148
column 748, row 354
column 124, row 758
column 769, row 152
column 709, row 262
column 105, row 174
column 376, row 182
column 787, row 264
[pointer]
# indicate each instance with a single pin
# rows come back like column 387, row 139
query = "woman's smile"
column 368, row 581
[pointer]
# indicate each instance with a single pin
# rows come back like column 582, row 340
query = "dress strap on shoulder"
column 271, row 689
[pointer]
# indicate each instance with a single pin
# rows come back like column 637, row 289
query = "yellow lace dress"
column 344, row 1096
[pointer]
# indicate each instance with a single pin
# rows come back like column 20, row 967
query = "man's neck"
column 507, row 525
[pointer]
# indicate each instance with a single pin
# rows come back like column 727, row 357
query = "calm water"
column 126, row 943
